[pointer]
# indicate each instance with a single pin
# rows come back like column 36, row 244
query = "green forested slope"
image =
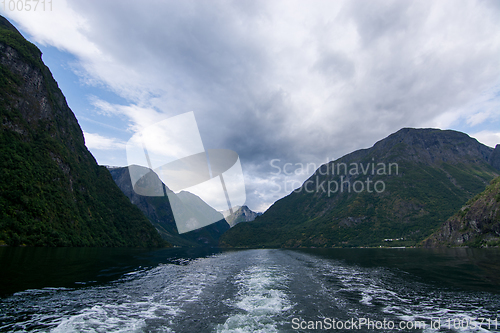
column 52, row 192
column 476, row 224
column 438, row 171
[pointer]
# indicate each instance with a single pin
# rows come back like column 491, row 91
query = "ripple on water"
column 261, row 299
column 139, row 304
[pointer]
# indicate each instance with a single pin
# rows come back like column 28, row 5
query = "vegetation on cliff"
column 53, row 193
column 437, row 171
column 476, row 224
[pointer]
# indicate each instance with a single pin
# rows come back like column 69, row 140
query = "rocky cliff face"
column 423, row 177
column 158, row 211
column 53, row 193
column 477, row 224
column 495, row 157
column 242, row 214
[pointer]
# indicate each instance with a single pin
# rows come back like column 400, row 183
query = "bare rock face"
column 495, row 157
column 477, row 224
column 242, row 214
column 431, row 146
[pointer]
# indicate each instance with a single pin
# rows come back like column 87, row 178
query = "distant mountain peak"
column 158, row 210
column 240, row 214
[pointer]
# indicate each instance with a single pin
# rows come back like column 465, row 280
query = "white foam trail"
column 114, row 318
column 182, row 285
column 261, row 296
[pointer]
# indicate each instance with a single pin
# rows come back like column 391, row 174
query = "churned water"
column 265, row 290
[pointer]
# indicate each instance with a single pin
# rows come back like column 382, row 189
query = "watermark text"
column 332, row 178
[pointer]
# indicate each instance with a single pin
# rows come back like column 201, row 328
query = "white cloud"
column 484, row 108
column 293, row 80
column 139, row 117
column 96, row 141
column 61, row 27
column 488, row 138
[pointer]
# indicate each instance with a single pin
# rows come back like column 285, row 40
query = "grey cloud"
column 257, row 93
column 335, row 66
column 384, row 19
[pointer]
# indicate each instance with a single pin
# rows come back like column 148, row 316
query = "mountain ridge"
column 53, row 191
column 241, row 214
column 159, row 212
column 438, row 170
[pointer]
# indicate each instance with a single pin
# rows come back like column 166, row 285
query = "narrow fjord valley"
column 403, row 236
column 54, row 193
column 159, row 212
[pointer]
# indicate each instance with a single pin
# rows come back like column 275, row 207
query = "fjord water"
column 262, row 290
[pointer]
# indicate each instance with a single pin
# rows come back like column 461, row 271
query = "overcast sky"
column 289, row 81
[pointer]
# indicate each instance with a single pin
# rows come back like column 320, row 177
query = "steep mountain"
column 158, row 211
column 241, row 214
column 495, row 157
column 476, row 224
column 395, row 193
column 199, row 207
column 53, row 193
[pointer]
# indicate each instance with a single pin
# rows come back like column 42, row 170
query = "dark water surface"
column 265, row 290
